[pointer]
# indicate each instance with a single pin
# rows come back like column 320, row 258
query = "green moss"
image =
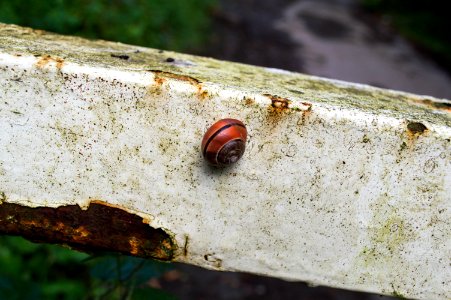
column 403, row 146
column 388, row 234
column 391, row 234
column 365, row 139
column 398, row 295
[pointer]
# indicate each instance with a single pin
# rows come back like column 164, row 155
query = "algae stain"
column 68, row 135
column 391, row 234
column 398, row 295
column 388, row 235
column 387, row 240
column 2, row 197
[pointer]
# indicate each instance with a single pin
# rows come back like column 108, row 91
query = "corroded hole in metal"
column 278, row 102
column 99, row 228
column 416, row 127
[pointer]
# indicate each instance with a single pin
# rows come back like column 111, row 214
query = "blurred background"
column 397, row 44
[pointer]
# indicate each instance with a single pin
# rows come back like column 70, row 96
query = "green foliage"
column 180, row 25
column 427, row 23
column 40, row 271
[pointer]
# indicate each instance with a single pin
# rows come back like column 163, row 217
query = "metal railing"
column 341, row 184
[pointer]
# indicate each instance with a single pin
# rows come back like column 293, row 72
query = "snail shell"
column 224, row 142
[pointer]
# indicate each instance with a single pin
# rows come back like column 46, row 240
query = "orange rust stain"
column 305, row 114
column 101, row 227
column 157, row 87
column 159, row 81
column 59, row 226
column 134, row 245
column 46, row 59
column 31, row 223
column 188, row 79
column 278, row 109
column 445, row 106
column 162, row 76
column 203, row 94
column 278, row 102
column 249, row 101
column 81, row 232
column 165, row 246
column 413, row 131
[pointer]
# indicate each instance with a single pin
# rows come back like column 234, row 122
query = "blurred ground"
column 188, row 282
column 330, row 38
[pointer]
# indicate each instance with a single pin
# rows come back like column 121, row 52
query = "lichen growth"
column 388, row 235
column 398, row 295
column 2, row 197
column 25, row 41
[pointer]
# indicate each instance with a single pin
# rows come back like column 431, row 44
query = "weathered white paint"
column 333, row 190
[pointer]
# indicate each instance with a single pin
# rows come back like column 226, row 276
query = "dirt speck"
column 121, row 56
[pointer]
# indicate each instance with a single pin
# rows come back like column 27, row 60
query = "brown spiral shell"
column 224, row 142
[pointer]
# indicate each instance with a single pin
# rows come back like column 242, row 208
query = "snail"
column 224, row 142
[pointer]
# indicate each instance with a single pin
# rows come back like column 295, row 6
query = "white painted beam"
column 341, row 184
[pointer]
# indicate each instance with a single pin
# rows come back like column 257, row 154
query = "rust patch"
column 203, row 94
column 248, row 101
column 278, row 109
column 413, row 132
column 134, row 246
column 305, row 114
column 101, row 227
column 46, row 59
column 179, row 77
column 159, row 81
column 278, row 102
column 157, row 87
column 161, row 76
column 446, row 106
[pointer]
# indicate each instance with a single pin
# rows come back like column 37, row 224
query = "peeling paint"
column 99, row 227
